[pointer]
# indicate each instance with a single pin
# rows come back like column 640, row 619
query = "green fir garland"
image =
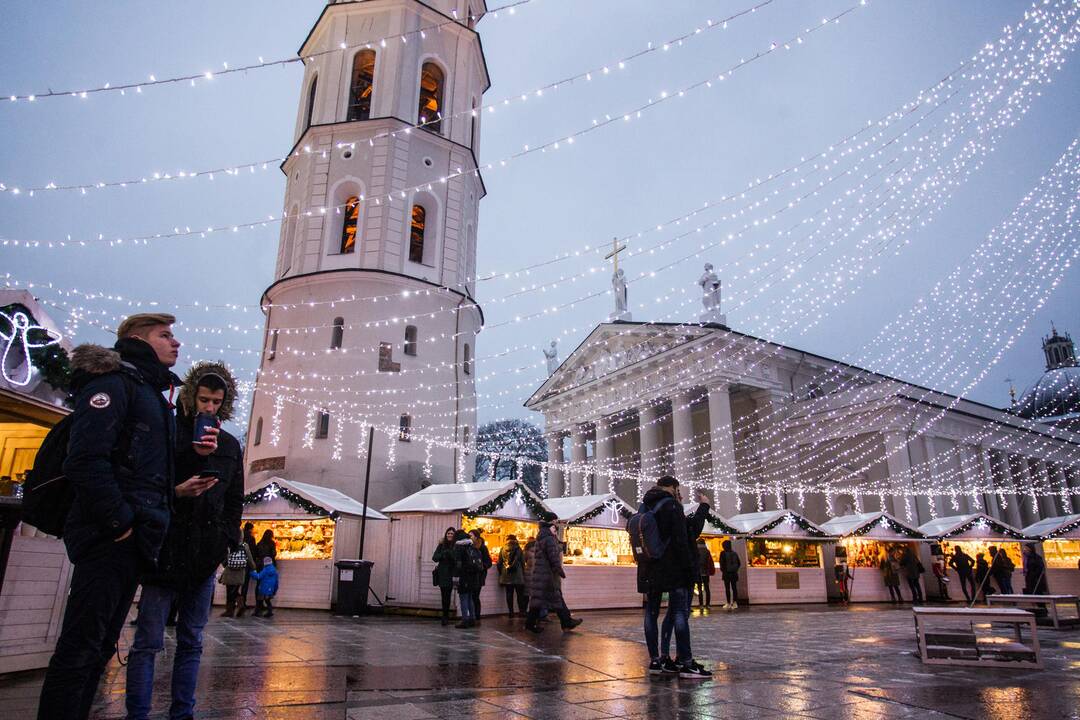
column 273, row 490
column 800, row 522
column 1061, row 530
column 496, row 503
column 719, row 524
column 993, row 525
column 892, row 525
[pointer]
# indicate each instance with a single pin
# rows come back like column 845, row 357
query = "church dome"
column 1055, row 395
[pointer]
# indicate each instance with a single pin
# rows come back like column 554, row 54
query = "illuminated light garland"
column 309, row 430
column 522, row 493
column 17, row 344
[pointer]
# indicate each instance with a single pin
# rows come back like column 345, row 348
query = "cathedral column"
column 682, row 427
column 605, row 456
column 649, row 435
column 1047, row 504
column 1060, row 485
column 970, row 473
column 722, row 445
column 769, row 409
column 1008, row 485
column 1021, row 473
column 899, row 467
column 556, row 477
column 991, row 506
column 1072, row 476
column 579, row 456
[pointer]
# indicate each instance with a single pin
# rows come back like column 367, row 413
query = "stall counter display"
column 974, row 547
column 597, row 546
column 299, row 539
column 783, row 553
column 495, row 530
column 1062, row 554
column 868, row 553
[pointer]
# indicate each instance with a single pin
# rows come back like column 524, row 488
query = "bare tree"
column 513, row 441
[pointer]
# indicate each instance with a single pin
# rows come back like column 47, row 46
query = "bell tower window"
column 337, row 336
column 310, row 112
column 410, row 340
column 429, row 113
column 348, row 226
column 416, row 234
column 363, row 85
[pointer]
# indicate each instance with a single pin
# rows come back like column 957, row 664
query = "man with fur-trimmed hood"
column 202, row 531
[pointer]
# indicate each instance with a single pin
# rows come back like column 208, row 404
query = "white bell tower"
column 370, row 316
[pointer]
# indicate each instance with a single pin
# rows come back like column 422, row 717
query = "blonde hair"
column 138, row 325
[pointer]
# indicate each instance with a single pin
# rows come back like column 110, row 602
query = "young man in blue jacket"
column 120, row 464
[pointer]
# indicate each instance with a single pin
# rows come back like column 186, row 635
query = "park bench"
column 1050, row 602
column 965, row 636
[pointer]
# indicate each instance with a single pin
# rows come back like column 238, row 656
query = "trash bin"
column 353, row 578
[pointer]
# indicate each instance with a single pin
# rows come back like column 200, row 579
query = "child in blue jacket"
column 266, row 589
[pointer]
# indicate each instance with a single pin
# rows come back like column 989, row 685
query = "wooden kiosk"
column 974, row 533
column 1060, row 538
column 868, row 539
column 599, row 564
column 784, row 557
column 419, row 522
column 314, row 527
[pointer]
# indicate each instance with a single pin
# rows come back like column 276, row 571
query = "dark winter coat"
column 118, row 395
column 203, row 528
column 890, row 572
column 678, row 566
column 1001, row 566
column 444, row 564
column 511, row 565
column 486, row 561
column 469, row 564
column 545, row 579
column 910, row 565
column 1035, row 575
column 961, row 562
column 706, row 566
column 982, row 569
column 265, row 549
column 730, row 562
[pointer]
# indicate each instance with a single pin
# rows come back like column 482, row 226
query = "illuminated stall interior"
column 974, row 548
column 779, row 539
column 868, row 538
column 598, row 546
column 300, row 539
column 783, row 553
column 1061, row 548
column 1062, row 553
column 976, row 534
column 496, row 530
column 593, row 529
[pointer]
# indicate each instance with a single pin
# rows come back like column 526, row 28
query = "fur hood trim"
column 95, row 359
column 191, row 381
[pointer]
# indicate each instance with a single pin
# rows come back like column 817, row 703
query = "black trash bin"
column 353, row 578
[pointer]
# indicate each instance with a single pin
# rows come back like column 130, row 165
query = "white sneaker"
column 735, row 605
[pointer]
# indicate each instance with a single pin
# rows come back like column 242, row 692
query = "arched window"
column 467, row 365
column 363, row 84
column 289, row 244
column 429, row 114
column 349, row 224
column 311, row 102
column 405, row 428
column 338, row 333
column 416, row 234
column 258, row 432
column 410, row 340
column 273, row 345
column 322, row 430
column 473, row 120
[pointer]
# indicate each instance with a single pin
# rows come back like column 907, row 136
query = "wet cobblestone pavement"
column 809, row 662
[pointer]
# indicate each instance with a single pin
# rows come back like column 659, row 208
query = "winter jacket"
column 204, row 528
column 511, row 565
column 706, row 566
column 1001, row 566
column 982, row 569
column 1035, row 575
column 119, row 403
column 444, row 564
column 265, row 549
column 910, row 565
column 890, row 572
column 545, row 581
column 730, row 562
column 235, row 576
column 268, row 580
column 486, row 561
column 961, row 562
column 469, row 565
column 678, row 566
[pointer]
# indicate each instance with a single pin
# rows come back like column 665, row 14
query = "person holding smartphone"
column 205, row 526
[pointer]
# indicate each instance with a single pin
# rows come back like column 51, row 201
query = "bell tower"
column 370, row 316
column 1059, row 350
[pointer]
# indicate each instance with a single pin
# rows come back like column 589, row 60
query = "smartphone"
column 202, row 422
column 208, row 474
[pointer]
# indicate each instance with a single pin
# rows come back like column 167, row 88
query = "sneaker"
column 694, row 669
column 669, row 666
column 734, row 605
column 656, row 667
column 574, row 622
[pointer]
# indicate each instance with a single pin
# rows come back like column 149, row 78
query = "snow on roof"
column 775, row 523
column 711, row 528
column 977, row 526
column 333, row 501
column 1067, row 526
column 846, row 525
column 568, row 509
column 458, row 497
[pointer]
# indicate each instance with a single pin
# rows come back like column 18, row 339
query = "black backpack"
column 47, row 493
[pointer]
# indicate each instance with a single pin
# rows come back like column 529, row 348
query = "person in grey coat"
column 545, row 582
column 511, row 568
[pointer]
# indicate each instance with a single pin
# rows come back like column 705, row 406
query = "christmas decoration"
column 523, row 495
column 273, row 490
column 27, row 346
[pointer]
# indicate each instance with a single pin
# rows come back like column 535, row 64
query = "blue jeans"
column 193, row 610
column 465, row 603
column 1004, row 582
column 678, row 614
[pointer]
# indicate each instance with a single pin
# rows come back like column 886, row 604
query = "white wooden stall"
column 975, row 533
column 419, row 522
column 600, row 569
column 784, row 557
column 867, row 537
column 307, row 575
column 1060, row 538
column 714, row 533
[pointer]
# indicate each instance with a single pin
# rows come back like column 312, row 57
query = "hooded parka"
column 678, row 566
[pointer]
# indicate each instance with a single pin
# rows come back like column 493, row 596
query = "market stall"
column 599, row 564
column 867, row 540
column 715, row 532
column 420, row 521
column 784, row 557
column 1061, row 549
column 314, row 527
column 976, row 534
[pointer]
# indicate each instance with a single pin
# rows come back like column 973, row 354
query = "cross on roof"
column 614, row 254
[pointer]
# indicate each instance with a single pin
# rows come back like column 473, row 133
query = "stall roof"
column 977, row 526
column 776, row 523
column 569, row 509
column 714, row 524
column 332, row 501
column 875, row 525
column 461, row 497
column 1067, row 526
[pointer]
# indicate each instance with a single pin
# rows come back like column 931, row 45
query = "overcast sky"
column 616, row 181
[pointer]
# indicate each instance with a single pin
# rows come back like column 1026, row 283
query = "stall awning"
column 608, row 510
column 714, row 524
column 311, row 499
column 1067, row 526
column 875, row 525
column 485, row 498
column 978, row 526
column 775, row 523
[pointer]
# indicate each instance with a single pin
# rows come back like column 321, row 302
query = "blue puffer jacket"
column 268, row 581
column 120, row 458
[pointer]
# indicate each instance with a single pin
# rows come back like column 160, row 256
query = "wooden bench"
column 963, row 646
column 1051, row 601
